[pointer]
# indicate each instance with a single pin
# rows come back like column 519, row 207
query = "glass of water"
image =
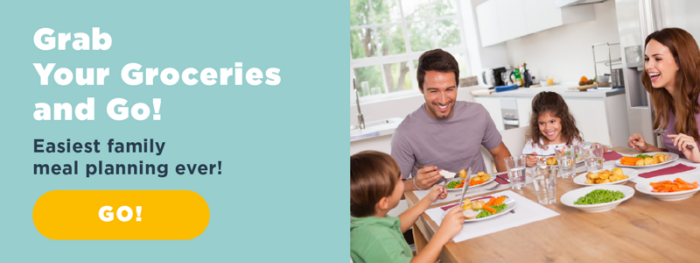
column 545, row 181
column 516, row 171
column 567, row 166
column 594, row 160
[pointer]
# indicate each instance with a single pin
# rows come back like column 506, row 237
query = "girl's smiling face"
column 550, row 127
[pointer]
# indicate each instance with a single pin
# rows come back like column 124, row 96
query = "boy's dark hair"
column 437, row 60
column 373, row 176
column 553, row 103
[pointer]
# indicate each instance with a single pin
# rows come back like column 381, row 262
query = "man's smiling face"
column 440, row 92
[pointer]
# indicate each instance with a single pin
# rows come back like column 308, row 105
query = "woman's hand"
column 438, row 191
column 531, row 160
column 637, row 142
column 683, row 141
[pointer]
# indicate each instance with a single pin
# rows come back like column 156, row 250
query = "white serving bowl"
column 570, row 197
column 644, row 187
column 631, row 174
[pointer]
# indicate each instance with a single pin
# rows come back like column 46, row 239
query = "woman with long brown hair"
column 672, row 78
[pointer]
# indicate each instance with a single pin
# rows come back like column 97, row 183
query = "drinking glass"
column 516, row 171
column 567, row 166
column 376, row 90
column 593, row 162
column 596, row 149
column 364, row 86
column 545, row 181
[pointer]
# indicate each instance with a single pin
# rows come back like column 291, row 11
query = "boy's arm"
column 451, row 225
column 409, row 217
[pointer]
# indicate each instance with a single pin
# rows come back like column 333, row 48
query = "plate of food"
column 599, row 198
column 646, row 159
column 553, row 160
column 616, row 176
column 476, row 180
column 670, row 187
column 486, row 207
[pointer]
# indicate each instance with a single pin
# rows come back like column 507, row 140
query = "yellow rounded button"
column 121, row 214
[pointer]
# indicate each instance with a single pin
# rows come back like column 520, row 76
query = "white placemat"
column 454, row 195
column 526, row 212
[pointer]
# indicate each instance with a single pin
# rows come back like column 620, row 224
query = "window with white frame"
column 388, row 36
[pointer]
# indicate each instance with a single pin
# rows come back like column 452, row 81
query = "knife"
column 466, row 186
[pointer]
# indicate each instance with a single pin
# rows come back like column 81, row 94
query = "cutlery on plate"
column 662, row 132
column 466, row 186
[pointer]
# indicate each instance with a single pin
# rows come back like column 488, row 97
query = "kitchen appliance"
column 636, row 19
column 617, row 78
column 492, row 77
column 509, row 112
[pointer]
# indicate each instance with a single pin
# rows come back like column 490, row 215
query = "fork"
column 662, row 132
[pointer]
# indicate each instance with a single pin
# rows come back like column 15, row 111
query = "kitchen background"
column 554, row 38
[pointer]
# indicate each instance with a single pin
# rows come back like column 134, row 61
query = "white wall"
column 564, row 53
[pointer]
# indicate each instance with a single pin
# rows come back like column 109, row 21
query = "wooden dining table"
column 641, row 229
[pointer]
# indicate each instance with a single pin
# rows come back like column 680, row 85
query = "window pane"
column 391, row 40
column 424, row 9
column 444, row 8
column 447, row 33
column 368, row 79
column 386, row 11
column 359, row 13
column 417, row 9
column 419, row 35
column 362, row 43
column 397, row 76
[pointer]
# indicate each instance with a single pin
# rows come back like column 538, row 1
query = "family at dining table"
column 446, row 134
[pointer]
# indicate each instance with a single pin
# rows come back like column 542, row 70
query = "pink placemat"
column 612, row 156
column 501, row 180
column 679, row 168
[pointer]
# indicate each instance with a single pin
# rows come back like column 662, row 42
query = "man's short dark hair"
column 437, row 60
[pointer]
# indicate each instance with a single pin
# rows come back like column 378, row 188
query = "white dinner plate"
column 572, row 196
column 631, row 174
column 493, row 177
column 673, row 158
column 644, row 187
column 509, row 201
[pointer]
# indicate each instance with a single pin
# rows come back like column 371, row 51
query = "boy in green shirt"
column 376, row 188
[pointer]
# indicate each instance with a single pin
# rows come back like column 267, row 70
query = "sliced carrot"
column 488, row 208
column 490, row 202
column 499, row 200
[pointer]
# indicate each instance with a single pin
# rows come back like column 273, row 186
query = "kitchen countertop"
column 562, row 89
column 375, row 129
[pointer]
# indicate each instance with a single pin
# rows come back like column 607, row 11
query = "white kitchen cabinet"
column 545, row 15
column 489, row 28
column 524, row 111
column 502, row 20
column 591, row 119
column 493, row 106
column 512, row 13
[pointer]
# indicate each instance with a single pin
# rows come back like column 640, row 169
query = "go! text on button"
column 121, row 214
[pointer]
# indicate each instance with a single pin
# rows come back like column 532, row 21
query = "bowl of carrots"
column 670, row 187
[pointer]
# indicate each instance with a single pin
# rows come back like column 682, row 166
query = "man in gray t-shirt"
column 443, row 133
